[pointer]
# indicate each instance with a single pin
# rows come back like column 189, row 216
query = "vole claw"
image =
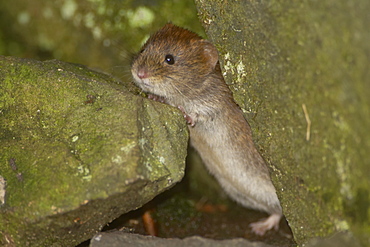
column 156, row 98
column 188, row 118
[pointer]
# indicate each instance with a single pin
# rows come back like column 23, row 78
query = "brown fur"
column 220, row 133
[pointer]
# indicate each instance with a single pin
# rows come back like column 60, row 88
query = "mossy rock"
column 78, row 150
column 300, row 71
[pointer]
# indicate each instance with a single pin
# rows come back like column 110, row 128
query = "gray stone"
column 119, row 239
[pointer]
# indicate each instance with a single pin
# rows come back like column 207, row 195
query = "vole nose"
column 142, row 73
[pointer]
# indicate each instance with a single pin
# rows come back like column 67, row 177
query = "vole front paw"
column 189, row 119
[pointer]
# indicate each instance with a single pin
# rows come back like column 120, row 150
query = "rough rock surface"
column 78, row 150
column 300, row 70
column 118, row 239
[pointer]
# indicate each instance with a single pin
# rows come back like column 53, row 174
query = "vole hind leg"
column 260, row 227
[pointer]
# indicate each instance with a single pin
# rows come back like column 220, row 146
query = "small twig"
column 308, row 132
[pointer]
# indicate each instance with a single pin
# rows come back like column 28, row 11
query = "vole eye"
column 170, row 59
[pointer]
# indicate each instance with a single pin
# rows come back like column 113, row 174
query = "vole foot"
column 156, row 98
column 264, row 225
column 187, row 117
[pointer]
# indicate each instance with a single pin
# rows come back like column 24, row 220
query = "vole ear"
column 210, row 53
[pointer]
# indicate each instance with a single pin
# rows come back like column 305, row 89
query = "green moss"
column 101, row 34
column 140, row 17
column 69, row 9
column 73, row 136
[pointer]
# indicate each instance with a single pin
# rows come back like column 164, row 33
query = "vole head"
column 174, row 62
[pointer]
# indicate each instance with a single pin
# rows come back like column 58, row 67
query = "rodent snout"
column 142, row 73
